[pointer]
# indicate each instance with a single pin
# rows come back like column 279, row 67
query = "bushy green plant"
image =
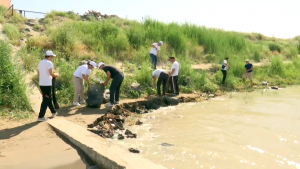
column 274, row 47
column 144, row 75
column 12, row 32
column 277, row 66
column 17, row 19
column 256, row 56
column 293, row 52
column 12, row 87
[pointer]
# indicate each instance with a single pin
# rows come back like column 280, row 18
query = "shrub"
column 37, row 42
column 37, row 27
column 277, row 66
column 256, row 56
column 293, row 52
column 17, row 19
column 12, row 32
column 274, row 47
column 12, row 87
column 144, row 76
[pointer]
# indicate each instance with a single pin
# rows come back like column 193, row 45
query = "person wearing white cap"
column 114, row 89
column 248, row 71
column 45, row 73
column 82, row 72
column 162, row 76
column 154, row 52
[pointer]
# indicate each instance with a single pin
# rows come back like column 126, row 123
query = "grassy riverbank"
column 126, row 43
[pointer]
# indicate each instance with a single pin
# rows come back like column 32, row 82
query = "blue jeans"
column 154, row 60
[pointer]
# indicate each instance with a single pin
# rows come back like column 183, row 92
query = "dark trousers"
column 114, row 88
column 163, row 78
column 175, row 84
column 224, row 75
column 47, row 101
column 153, row 60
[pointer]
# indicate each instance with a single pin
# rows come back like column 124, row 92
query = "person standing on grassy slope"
column 174, row 74
column 154, row 52
column 248, row 71
column 82, row 72
column 114, row 89
column 162, row 76
column 224, row 69
column 45, row 73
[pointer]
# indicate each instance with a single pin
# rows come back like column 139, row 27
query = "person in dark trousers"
column 174, row 75
column 162, row 77
column 114, row 89
column 248, row 71
column 45, row 73
column 224, row 69
column 154, row 53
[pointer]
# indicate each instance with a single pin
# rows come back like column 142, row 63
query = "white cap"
column 161, row 42
column 49, row 53
column 100, row 64
column 247, row 60
column 93, row 64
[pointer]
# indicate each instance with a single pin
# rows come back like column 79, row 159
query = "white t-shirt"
column 153, row 50
column 45, row 79
column 157, row 72
column 83, row 69
column 223, row 65
column 175, row 66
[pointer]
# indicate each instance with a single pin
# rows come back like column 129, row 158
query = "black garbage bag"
column 95, row 95
column 56, row 106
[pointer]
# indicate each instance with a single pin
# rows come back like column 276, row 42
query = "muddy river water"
column 242, row 130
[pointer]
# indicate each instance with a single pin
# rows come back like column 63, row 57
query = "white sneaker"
column 109, row 105
column 82, row 102
column 42, row 119
column 54, row 115
column 116, row 102
column 76, row 104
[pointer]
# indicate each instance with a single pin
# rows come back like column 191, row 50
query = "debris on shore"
column 134, row 150
column 107, row 125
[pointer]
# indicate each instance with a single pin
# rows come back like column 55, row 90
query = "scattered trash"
column 138, row 122
column 134, row 150
column 264, row 82
column 120, row 137
column 166, row 144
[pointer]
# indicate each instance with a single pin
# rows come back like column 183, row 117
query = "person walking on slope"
column 248, row 71
column 82, row 72
column 114, row 89
column 224, row 69
column 154, row 53
column 174, row 75
column 162, row 76
column 45, row 73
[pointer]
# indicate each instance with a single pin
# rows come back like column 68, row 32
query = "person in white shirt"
column 82, row 72
column 224, row 69
column 154, row 52
column 162, row 76
column 174, row 75
column 45, row 73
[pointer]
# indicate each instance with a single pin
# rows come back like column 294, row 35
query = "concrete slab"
column 104, row 153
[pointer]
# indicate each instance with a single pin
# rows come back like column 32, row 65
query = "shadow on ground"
column 12, row 132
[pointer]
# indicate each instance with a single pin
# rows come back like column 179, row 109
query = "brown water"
column 240, row 131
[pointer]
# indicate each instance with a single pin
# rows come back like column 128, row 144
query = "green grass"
column 12, row 87
column 12, row 32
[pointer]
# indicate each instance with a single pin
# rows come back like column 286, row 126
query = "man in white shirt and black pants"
column 174, row 75
column 162, row 77
column 45, row 73
column 154, row 52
